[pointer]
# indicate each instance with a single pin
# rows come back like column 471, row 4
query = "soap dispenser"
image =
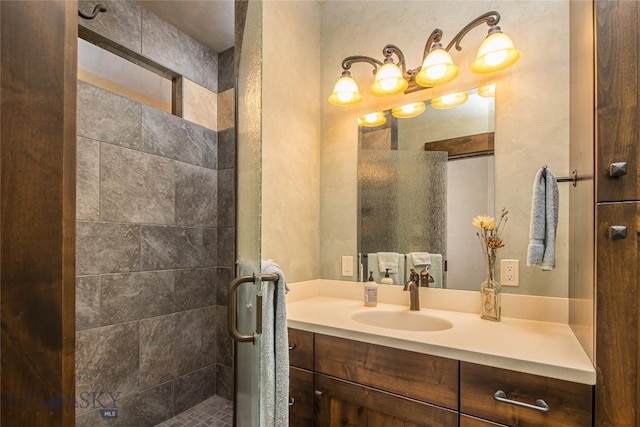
column 371, row 292
column 386, row 280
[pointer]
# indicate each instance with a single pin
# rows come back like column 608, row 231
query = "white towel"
column 435, row 269
column 372, row 262
column 421, row 258
column 274, row 380
column 388, row 260
column 544, row 221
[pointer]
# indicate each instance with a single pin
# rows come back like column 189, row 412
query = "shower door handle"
column 232, row 307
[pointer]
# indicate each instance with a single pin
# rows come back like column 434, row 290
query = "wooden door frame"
column 38, row 73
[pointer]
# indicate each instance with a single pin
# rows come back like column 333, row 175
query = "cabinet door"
column 301, row 349
column 300, row 398
column 342, row 403
column 617, row 99
column 617, row 349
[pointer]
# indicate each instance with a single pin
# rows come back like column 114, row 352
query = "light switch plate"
column 510, row 272
column 347, row 265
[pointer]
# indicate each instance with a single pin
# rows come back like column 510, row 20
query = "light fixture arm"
column 388, row 52
column 350, row 60
column 490, row 18
column 434, row 37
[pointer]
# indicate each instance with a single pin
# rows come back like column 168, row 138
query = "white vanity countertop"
column 534, row 347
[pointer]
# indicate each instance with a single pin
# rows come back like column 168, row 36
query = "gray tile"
column 144, row 409
column 107, row 359
column 120, row 23
column 136, row 187
column 210, row 149
column 165, row 44
column 88, row 179
column 134, row 296
column 195, row 288
column 226, row 77
column 107, row 248
column 226, row 247
column 170, row 346
column 209, row 69
column 209, row 335
column 87, row 302
column 227, row 148
column 224, row 343
column 226, row 198
column 107, row 117
column 196, row 193
column 224, row 381
column 171, row 247
column 169, row 136
column 210, row 251
column 224, row 276
column 194, row 388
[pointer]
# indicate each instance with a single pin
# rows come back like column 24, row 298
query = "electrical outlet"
column 347, row 265
column 510, row 272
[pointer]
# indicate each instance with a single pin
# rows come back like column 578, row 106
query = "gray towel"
column 274, row 372
column 544, row 221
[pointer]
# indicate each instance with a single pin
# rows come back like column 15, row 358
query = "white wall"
column 532, row 111
column 291, row 137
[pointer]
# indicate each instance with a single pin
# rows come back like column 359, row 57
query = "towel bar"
column 233, row 306
column 573, row 178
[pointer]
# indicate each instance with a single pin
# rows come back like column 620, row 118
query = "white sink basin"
column 402, row 320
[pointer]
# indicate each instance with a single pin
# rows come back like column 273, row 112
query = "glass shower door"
column 249, row 210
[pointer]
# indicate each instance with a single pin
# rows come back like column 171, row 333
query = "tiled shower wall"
column 155, row 249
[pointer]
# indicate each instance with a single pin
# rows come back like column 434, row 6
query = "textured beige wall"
column 291, row 136
column 532, row 111
column 199, row 104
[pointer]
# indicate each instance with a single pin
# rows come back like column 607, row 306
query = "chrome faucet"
column 413, row 286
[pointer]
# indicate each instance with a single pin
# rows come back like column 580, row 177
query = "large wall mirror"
column 421, row 180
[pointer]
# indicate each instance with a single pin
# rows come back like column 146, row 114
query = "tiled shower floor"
column 213, row 412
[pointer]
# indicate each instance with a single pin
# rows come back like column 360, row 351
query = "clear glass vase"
column 490, row 293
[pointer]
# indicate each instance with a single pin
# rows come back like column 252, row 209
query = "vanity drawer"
column 342, row 403
column 467, row 421
column 300, row 397
column 419, row 376
column 570, row 404
column 301, row 349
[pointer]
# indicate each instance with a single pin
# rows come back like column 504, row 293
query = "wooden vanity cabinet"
column 359, row 384
column 570, row 404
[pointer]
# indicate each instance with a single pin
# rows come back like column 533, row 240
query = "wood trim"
column 464, row 146
column 176, row 96
column 38, row 81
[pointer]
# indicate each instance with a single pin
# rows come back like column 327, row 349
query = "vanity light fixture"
column 408, row 111
column 496, row 52
column 372, row 119
column 487, row 91
column 449, row 101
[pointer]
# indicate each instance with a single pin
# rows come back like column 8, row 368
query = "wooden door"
column 300, row 397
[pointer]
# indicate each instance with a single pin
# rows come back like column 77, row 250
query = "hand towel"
column 388, row 260
column 436, row 269
column 421, row 258
column 544, row 221
column 373, row 265
column 274, row 372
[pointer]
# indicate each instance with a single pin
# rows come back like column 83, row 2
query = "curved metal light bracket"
column 350, row 60
column 388, row 52
column 490, row 18
column 98, row 8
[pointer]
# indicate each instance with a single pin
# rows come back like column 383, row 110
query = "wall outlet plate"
column 347, row 265
column 510, row 272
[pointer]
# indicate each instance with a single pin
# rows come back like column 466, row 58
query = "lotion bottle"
column 386, row 280
column 371, row 292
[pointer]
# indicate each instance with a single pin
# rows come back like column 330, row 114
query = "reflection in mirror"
column 420, row 182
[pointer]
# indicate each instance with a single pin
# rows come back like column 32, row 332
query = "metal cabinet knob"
column 617, row 232
column 318, row 394
column 618, row 169
column 292, row 401
column 292, row 346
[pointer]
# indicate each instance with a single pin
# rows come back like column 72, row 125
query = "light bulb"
column 345, row 92
column 437, row 68
column 388, row 81
column 372, row 119
column 409, row 110
column 495, row 53
column 449, row 101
